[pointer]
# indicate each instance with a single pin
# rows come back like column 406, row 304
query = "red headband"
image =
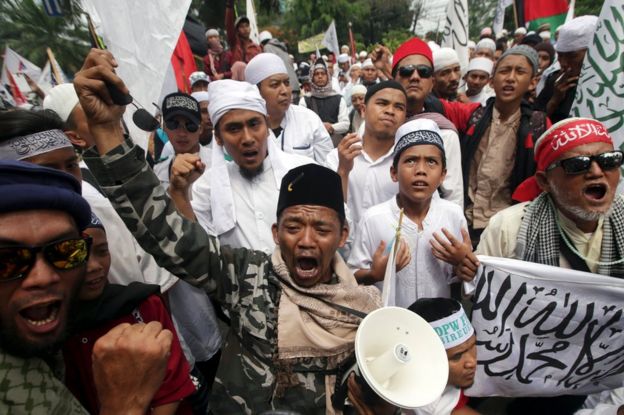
column 414, row 46
column 559, row 139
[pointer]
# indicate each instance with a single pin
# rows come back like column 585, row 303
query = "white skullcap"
column 368, row 62
column 520, row 31
column 545, row 35
column 212, row 32
column 343, row 57
column 444, row 57
column 61, row 99
column 262, row 66
column 577, row 34
column 487, row 43
column 420, row 124
column 227, row 94
column 363, row 54
column 486, row 31
column 200, row 96
column 481, row 64
column 433, row 46
column 357, row 65
column 358, row 90
column 265, row 35
column 471, row 44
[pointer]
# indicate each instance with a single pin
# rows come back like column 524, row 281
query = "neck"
column 275, row 119
column 376, row 146
column 414, row 107
column 507, row 109
column 416, row 211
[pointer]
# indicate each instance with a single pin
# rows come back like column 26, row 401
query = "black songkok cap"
column 311, row 184
column 373, row 89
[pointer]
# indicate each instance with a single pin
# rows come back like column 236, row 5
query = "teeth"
column 48, row 320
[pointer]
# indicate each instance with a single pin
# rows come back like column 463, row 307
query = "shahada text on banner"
column 545, row 331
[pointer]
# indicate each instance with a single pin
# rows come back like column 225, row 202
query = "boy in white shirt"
column 419, row 167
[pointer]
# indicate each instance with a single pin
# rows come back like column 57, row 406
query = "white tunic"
column 254, row 203
column 369, row 182
column 425, row 276
column 303, row 133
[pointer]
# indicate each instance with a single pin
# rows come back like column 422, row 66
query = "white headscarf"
column 262, row 66
column 227, row 94
column 577, row 34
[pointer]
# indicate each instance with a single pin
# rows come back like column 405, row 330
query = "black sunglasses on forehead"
column 424, row 71
column 190, row 126
column 581, row 164
column 66, row 254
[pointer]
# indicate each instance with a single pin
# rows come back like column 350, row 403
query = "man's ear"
column 542, row 181
column 75, row 139
column 394, row 174
column 215, row 133
column 274, row 232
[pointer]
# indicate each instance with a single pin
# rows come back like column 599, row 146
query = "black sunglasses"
column 581, row 164
column 66, row 254
column 190, row 126
column 424, row 71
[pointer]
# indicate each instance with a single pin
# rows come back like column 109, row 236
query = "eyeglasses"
column 581, row 164
column 66, row 254
column 190, row 126
column 424, row 71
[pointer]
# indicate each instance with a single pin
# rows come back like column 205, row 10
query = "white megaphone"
column 401, row 357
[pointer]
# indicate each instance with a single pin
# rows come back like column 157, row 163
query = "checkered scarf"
column 538, row 238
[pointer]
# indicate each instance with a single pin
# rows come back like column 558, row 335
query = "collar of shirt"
column 515, row 118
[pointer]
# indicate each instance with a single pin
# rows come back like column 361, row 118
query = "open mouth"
column 508, row 89
column 42, row 317
column 250, row 154
column 419, row 184
column 307, row 267
column 595, row 192
column 95, row 282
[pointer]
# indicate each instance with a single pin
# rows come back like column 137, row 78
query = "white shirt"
column 163, row 169
column 483, row 96
column 369, row 182
column 303, row 133
column 129, row 262
column 425, row 276
column 255, row 204
column 444, row 405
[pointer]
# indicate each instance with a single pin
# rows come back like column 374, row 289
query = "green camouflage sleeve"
column 179, row 245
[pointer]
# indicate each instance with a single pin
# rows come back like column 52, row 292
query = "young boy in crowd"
column 102, row 306
column 419, row 167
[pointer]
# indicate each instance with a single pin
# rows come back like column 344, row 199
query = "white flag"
column 388, row 294
column 499, row 17
column 456, row 30
column 600, row 92
column 570, row 14
column 546, row 331
column 16, row 64
column 253, row 26
column 330, row 41
column 142, row 39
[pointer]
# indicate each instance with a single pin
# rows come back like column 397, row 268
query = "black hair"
column 395, row 161
column 21, row 122
column 433, row 309
column 373, row 89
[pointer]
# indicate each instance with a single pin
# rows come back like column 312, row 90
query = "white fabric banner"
column 600, row 92
column 17, row 64
column 330, row 41
column 499, row 17
column 456, row 30
column 545, row 331
column 253, row 26
column 142, row 40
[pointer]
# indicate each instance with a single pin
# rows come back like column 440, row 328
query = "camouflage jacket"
column 28, row 386
column 242, row 280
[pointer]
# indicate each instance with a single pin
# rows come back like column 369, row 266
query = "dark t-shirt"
column 563, row 110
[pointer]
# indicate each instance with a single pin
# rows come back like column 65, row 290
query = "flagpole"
column 516, row 15
column 352, row 43
column 397, row 236
column 53, row 68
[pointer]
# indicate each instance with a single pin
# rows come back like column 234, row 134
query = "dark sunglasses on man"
column 581, row 164
column 16, row 261
column 190, row 126
column 424, row 71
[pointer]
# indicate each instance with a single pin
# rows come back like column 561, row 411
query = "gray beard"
column 577, row 212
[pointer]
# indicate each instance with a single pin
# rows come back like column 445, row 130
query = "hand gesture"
column 467, row 268
column 186, row 168
column 129, row 364
column 450, row 250
column 90, row 84
column 348, row 149
column 562, row 84
column 380, row 260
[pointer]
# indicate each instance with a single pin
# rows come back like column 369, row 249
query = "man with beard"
column 43, row 258
column 363, row 163
column 294, row 314
column 218, row 61
column 574, row 219
column 446, row 74
column 235, row 199
column 296, row 130
column 327, row 103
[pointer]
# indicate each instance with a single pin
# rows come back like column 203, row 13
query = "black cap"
column 311, row 184
column 181, row 104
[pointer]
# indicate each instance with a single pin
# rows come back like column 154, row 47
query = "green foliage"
column 393, row 38
column 26, row 28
